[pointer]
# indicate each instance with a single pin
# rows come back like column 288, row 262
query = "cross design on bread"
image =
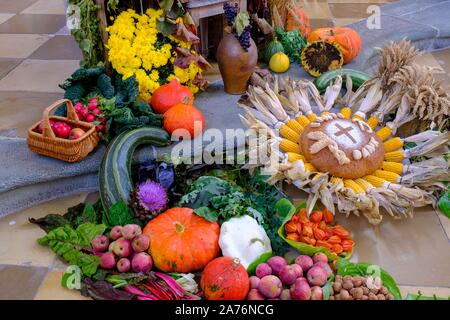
column 345, row 131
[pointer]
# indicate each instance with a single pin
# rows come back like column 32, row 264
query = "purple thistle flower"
column 152, row 196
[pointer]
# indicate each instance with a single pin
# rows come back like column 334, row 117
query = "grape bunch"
column 231, row 10
column 245, row 37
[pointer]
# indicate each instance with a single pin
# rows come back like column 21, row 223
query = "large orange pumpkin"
column 168, row 95
column 347, row 38
column 185, row 118
column 181, row 241
column 296, row 19
column 225, row 278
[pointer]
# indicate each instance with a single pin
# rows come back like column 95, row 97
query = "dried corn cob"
column 336, row 180
column 289, row 134
column 348, row 183
column 310, row 167
column 364, row 184
column 311, row 117
column 395, row 156
column 292, row 157
column 294, row 125
column 303, row 120
column 388, row 176
column 384, row 133
column 393, row 144
column 395, row 167
column 375, row 181
column 346, row 112
column 289, row 146
column 372, row 122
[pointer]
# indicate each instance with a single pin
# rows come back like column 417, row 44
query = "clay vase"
column 236, row 65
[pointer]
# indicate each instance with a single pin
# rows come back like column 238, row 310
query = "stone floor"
column 37, row 53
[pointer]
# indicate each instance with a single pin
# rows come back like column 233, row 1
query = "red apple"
column 76, row 133
column 62, row 130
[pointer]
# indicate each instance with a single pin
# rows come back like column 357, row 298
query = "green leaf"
column 303, row 247
column 119, row 215
column 88, row 231
column 284, row 208
column 165, row 27
column 241, row 21
column 251, row 269
column 444, row 204
column 419, row 296
column 326, row 289
column 166, row 5
column 207, row 213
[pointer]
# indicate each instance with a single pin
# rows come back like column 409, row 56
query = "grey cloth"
column 27, row 179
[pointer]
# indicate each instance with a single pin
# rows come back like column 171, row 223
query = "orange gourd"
column 185, row 118
column 297, row 19
column 225, row 278
column 347, row 38
column 181, row 241
column 168, row 95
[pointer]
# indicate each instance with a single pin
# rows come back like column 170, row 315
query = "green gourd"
column 273, row 47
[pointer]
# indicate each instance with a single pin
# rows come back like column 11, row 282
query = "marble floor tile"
column 19, row 46
column 20, row 282
column 57, row 48
column 47, row 7
column 33, row 23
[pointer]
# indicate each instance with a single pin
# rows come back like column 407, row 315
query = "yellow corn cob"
column 311, row 117
column 335, row 180
column 358, row 117
column 375, row 181
column 366, row 185
column 393, row 144
column 310, row 167
column 348, row 183
column 395, row 156
column 324, row 113
column 303, row 120
column 384, row 133
column 294, row 125
column 396, row 167
column 292, row 157
column 372, row 122
column 289, row 134
column 289, row 146
column 317, row 175
column 388, row 176
column 346, row 112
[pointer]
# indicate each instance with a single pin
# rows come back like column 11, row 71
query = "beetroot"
column 324, row 266
column 320, row 256
column 304, row 261
column 263, row 269
column 317, row 276
column 285, row 295
column 254, row 282
column 300, row 290
column 142, row 262
column 316, row 293
column 297, row 269
column 123, row 265
column 276, row 263
column 270, row 286
column 108, row 260
column 288, row 275
column 254, row 294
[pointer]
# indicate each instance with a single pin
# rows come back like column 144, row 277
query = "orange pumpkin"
column 225, row 278
column 297, row 19
column 186, row 119
column 347, row 38
column 181, row 241
column 168, row 95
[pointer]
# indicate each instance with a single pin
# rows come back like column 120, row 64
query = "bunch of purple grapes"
column 231, row 11
column 245, row 37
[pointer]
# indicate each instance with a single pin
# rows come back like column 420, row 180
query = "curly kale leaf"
column 105, row 86
column 126, row 90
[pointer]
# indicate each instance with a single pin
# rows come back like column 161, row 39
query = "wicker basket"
column 48, row 144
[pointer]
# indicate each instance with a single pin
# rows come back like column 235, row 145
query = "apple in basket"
column 76, row 133
column 62, row 129
column 41, row 126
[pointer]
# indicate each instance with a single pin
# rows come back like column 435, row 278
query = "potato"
column 331, row 291
column 372, row 296
column 389, row 297
column 381, row 296
column 331, row 298
column 364, row 297
column 337, row 296
column 357, row 293
column 337, row 286
column 347, row 285
column 344, row 294
column 374, row 290
column 348, row 278
column 357, row 281
column 365, row 290
column 384, row 290
column 338, row 278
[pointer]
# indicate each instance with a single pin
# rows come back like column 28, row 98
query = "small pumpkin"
column 185, row 119
column 321, row 56
column 272, row 47
column 279, row 62
column 225, row 278
column 168, row 95
column 181, row 241
column 297, row 19
column 348, row 39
